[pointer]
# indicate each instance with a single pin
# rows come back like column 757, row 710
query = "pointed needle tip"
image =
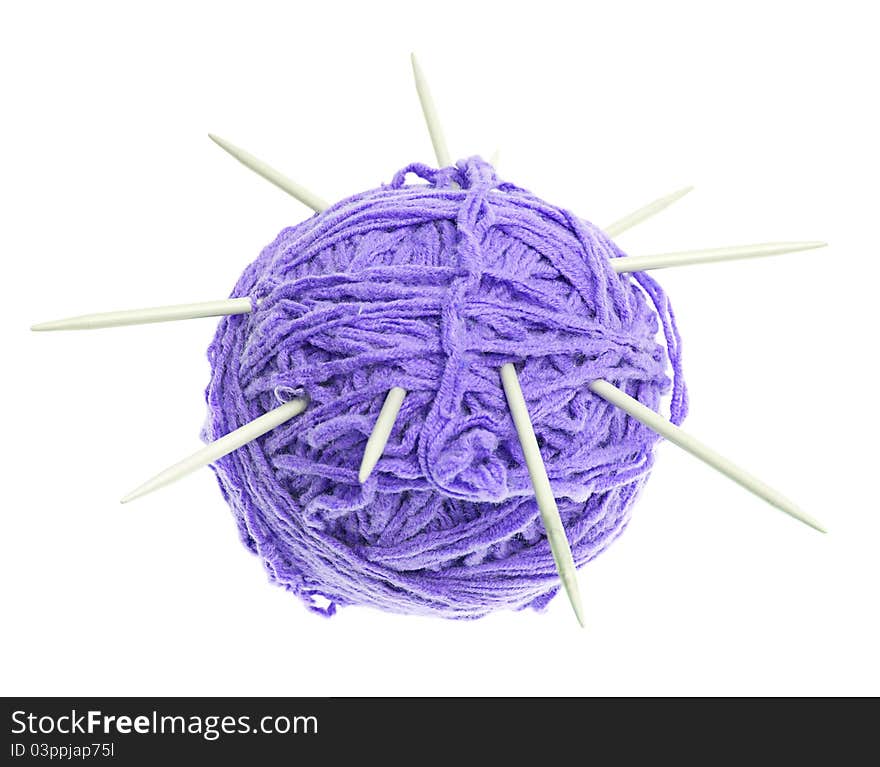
column 363, row 474
column 416, row 67
column 137, row 493
column 808, row 520
column 821, row 528
column 222, row 143
column 807, row 245
column 54, row 325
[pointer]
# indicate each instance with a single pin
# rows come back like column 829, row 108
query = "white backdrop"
column 112, row 197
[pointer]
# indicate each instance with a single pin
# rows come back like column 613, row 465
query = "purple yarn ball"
column 433, row 287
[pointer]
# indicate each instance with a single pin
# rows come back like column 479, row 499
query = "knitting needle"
column 430, row 112
column 394, row 399
column 220, row 447
column 381, row 431
column 651, row 209
column 547, row 507
column 692, row 445
column 152, row 314
column 559, row 547
column 305, row 196
column 687, row 257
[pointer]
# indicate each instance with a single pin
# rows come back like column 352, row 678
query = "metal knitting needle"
column 692, row 445
column 651, row 209
column 547, row 507
column 151, row 314
column 430, row 112
column 559, row 547
column 381, row 431
column 223, row 446
column 394, row 399
column 305, row 196
column 687, row 257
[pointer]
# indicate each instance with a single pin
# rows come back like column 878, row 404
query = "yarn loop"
column 432, row 286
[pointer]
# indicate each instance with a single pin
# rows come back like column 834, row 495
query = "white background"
column 112, row 197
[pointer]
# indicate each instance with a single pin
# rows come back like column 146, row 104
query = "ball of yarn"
column 432, row 286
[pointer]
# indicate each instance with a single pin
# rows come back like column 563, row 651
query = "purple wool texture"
column 433, row 286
